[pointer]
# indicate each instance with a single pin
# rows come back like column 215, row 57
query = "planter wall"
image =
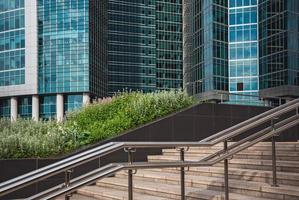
column 192, row 124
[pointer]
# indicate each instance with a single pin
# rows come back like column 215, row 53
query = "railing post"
column 274, row 183
column 274, row 174
column 67, row 178
column 130, row 152
column 182, row 172
column 226, row 186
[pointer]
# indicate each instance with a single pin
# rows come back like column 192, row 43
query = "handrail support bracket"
column 226, row 184
column 182, row 151
column 274, row 169
column 67, row 177
column 130, row 152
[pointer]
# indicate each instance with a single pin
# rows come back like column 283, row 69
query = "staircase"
column 250, row 177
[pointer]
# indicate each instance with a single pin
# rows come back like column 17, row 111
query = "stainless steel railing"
column 67, row 164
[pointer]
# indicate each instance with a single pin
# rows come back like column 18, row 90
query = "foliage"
column 96, row 122
column 126, row 111
column 27, row 139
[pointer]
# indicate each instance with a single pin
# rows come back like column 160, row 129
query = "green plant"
column 96, row 122
column 126, row 111
column 27, row 139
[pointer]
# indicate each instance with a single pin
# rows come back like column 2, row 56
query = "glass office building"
column 145, row 45
column 243, row 49
column 205, row 47
column 169, row 44
column 262, row 41
column 131, row 45
column 53, row 56
column 279, row 48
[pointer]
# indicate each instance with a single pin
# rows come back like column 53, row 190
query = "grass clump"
column 90, row 124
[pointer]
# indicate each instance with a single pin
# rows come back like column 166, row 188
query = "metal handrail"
column 115, row 167
column 76, row 160
column 257, row 119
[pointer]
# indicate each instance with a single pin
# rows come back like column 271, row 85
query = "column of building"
column 13, row 108
column 35, row 107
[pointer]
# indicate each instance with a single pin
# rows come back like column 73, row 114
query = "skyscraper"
column 132, row 45
column 262, row 42
column 145, row 45
column 279, row 47
column 205, row 47
column 169, row 44
column 53, row 56
column 58, row 54
column 243, row 49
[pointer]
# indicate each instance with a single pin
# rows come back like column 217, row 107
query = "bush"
column 28, row 139
column 125, row 111
column 90, row 124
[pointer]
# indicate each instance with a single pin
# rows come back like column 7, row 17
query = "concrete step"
column 285, row 166
column 77, row 197
column 263, row 146
column 284, row 178
column 257, row 189
column 250, row 177
column 104, row 193
column 169, row 191
column 246, row 154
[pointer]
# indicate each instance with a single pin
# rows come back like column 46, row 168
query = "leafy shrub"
column 125, row 111
column 96, row 122
column 27, row 139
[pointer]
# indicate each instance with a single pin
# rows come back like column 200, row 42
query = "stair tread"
column 207, row 183
column 175, row 189
column 98, row 192
column 238, row 171
column 76, row 197
column 235, row 160
column 252, row 185
column 245, row 152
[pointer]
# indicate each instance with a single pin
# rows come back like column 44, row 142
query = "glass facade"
column 47, row 107
column 98, row 48
column 4, row 108
column 243, row 48
column 72, row 51
column 12, row 42
column 25, row 106
column 169, row 41
column 63, row 56
column 131, row 45
column 279, row 49
column 72, row 102
column 207, row 37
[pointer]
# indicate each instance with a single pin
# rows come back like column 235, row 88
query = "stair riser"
column 91, row 195
column 240, row 156
column 144, row 191
column 262, row 167
column 214, row 198
column 252, row 177
column 266, row 148
column 253, row 166
column 217, row 187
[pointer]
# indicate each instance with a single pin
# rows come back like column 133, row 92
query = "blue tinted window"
column 47, row 107
column 232, row 3
column 12, row 42
column 243, row 47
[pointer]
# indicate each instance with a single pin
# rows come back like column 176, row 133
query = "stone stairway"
column 250, row 177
